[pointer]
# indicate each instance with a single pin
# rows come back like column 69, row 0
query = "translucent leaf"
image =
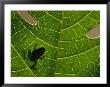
column 68, row 51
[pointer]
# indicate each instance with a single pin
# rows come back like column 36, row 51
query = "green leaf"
column 68, row 51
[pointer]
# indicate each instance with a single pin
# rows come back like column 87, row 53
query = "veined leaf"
column 69, row 52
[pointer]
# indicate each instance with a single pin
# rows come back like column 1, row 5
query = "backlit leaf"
column 69, row 52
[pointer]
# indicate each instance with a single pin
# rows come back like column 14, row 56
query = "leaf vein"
column 76, row 22
column 37, row 37
column 19, row 70
column 53, row 16
column 79, row 53
column 23, row 60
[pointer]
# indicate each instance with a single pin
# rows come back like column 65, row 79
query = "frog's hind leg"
column 29, row 54
column 33, row 66
column 25, row 55
column 42, row 57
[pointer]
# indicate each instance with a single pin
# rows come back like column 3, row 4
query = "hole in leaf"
column 27, row 17
column 95, row 32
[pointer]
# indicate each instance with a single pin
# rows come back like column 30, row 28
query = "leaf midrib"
column 58, row 42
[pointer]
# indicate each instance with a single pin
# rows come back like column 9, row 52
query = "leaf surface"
column 69, row 52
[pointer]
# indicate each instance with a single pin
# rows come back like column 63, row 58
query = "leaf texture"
column 69, row 52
